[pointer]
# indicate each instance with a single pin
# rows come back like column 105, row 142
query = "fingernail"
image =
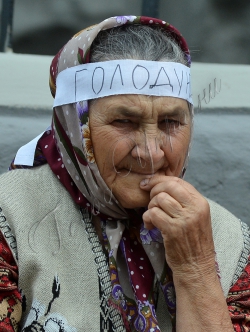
column 144, row 182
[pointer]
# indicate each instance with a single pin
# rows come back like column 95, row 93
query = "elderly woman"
column 104, row 234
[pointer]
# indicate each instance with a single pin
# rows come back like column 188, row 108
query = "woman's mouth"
column 144, row 174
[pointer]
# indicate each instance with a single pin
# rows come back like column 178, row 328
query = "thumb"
column 144, row 184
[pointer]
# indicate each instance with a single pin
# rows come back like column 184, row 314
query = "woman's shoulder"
column 26, row 182
column 28, row 197
column 30, row 194
column 232, row 244
column 27, row 175
column 221, row 215
column 225, row 224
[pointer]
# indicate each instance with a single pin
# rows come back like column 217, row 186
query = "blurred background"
column 217, row 31
column 218, row 34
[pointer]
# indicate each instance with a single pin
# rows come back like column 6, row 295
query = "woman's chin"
column 133, row 200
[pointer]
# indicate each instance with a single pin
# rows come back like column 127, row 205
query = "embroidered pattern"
column 40, row 318
column 238, row 301
column 245, row 252
column 9, row 237
column 10, row 296
column 108, row 313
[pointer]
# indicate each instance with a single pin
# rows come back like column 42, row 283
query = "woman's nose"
column 149, row 149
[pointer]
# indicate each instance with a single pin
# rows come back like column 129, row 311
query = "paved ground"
column 220, row 159
column 16, row 131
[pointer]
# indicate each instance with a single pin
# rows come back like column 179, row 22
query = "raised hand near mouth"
column 182, row 215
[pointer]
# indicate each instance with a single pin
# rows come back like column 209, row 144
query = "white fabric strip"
column 100, row 79
column 25, row 155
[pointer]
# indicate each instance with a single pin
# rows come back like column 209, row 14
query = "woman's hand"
column 182, row 215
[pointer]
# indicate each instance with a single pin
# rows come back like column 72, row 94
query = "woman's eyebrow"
column 174, row 112
column 137, row 112
column 128, row 112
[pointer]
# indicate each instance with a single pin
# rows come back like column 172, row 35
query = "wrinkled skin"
column 136, row 137
column 183, row 217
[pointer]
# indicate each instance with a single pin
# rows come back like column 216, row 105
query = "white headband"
column 101, row 79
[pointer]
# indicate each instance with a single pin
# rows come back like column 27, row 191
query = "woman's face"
column 136, row 137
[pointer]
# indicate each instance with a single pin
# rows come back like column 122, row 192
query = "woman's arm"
column 201, row 305
column 183, row 216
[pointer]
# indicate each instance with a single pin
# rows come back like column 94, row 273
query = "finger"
column 179, row 189
column 149, row 183
column 169, row 181
column 167, row 203
column 155, row 217
column 174, row 186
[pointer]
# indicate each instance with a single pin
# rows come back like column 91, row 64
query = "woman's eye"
column 169, row 125
column 122, row 121
column 170, row 122
column 124, row 124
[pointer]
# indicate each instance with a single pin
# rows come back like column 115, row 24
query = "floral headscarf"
column 67, row 148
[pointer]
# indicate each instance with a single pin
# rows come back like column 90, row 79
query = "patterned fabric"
column 10, row 296
column 238, row 301
column 109, row 317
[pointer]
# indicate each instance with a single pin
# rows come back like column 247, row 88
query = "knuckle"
column 204, row 207
column 161, row 197
column 154, row 212
column 175, row 183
